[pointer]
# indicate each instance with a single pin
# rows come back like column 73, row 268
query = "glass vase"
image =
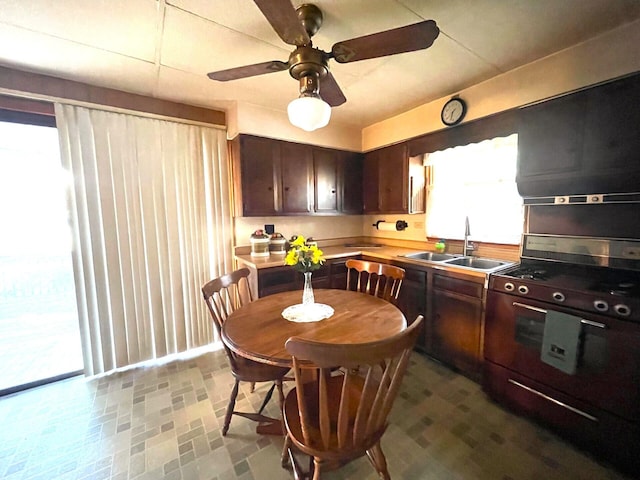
column 307, row 291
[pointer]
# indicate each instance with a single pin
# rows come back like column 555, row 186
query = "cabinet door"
column 550, row 137
column 412, row 299
column 455, row 331
column 259, row 170
column 339, row 274
column 393, row 175
column 325, row 172
column 370, row 179
column 276, row 280
column 611, row 141
column 297, row 177
column 350, row 183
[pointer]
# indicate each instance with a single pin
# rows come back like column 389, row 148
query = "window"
column 478, row 181
column 40, row 339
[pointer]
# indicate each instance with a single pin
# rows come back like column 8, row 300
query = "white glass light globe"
column 309, row 113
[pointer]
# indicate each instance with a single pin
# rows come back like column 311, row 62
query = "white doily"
column 307, row 313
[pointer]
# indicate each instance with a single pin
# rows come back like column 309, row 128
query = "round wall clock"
column 453, row 111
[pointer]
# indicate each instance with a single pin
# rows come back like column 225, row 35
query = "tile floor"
column 164, row 422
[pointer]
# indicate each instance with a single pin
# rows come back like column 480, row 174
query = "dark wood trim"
column 15, row 116
column 26, row 105
column 81, row 92
column 498, row 125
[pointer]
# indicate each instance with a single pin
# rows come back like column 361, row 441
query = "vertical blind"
column 151, row 216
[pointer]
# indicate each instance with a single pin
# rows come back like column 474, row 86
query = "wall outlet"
column 269, row 228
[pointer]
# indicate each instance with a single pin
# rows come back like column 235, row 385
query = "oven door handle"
column 529, row 307
column 542, row 310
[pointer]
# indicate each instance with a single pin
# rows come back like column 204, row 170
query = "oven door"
column 608, row 363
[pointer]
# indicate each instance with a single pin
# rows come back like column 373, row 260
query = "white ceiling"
column 164, row 48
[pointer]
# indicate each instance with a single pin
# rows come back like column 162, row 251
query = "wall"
column 265, row 122
column 608, row 56
column 320, row 228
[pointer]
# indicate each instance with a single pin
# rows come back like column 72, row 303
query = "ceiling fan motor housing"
column 308, row 65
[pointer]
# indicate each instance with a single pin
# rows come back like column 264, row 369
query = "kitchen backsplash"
column 361, row 227
column 317, row 227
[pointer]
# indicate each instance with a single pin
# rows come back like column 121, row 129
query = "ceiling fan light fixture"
column 309, row 112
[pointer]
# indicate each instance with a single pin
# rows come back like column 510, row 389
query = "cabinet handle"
column 553, row 400
column 286, row 189
column 591, row 323
column 270, row 188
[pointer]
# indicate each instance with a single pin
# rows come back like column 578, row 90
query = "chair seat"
column 291, row 415
column 249, row 371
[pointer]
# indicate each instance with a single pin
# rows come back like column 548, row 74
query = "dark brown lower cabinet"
column 454, row 332
column 332, row 274
column 412, row 299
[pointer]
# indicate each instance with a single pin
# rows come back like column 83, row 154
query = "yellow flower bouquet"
column 302, row 257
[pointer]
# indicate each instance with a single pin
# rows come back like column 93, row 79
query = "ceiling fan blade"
column 330, row 91
column 248, row 71
column 398, row 40
column 284, row 20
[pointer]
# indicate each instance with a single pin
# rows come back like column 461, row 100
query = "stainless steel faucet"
column 466, row 246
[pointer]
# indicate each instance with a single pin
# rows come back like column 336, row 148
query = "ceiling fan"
column 309, row 65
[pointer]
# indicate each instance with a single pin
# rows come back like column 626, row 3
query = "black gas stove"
column 576, row 273
column 561, row 340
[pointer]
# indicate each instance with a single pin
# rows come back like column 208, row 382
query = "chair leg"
column 267, row 398
column 253, row 387
column 280, row 394
column 316, row 468
column 284, row 458
column 378, row 460
column 230, row 407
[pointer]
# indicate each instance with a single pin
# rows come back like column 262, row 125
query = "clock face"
column 453, row 111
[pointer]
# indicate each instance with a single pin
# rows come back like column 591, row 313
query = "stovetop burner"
column 578, row 278
column 621, row 288
column 530, row 273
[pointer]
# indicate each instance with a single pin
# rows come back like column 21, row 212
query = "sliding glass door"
column 39, row 333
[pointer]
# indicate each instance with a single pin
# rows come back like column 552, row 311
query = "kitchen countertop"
column 384, row 252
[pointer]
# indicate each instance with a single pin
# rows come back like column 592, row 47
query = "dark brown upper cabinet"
column 325, row 167
column 582, row 143
column 388, row 181
column 274, row 177
column 296, row 164
column 256, row 164
column 350, row 182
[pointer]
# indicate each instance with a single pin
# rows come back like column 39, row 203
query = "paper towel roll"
column 387, row 226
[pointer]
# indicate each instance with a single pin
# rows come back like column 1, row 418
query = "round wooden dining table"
column 258, row 330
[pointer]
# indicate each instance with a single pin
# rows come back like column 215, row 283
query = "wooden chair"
column 341, row 415
column 376, row 279
column 223, row 295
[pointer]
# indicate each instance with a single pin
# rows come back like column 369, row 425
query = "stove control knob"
column 509, row 287
column 622, row 310
column 523, row 289
column 558, row 296
column 600, row 305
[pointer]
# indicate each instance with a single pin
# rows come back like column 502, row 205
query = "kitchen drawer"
column 457, row 285
column 611, row 438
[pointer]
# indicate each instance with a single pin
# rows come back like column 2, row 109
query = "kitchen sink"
column 484, row 265
column 478, row 263
column 430, row 256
